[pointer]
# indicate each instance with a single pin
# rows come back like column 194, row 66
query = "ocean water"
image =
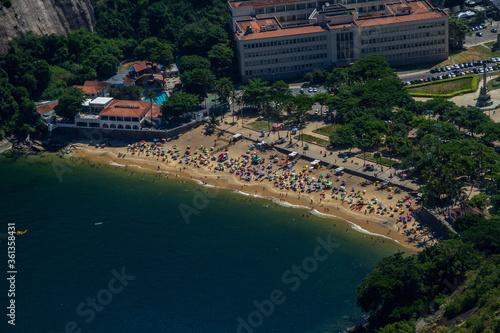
column 111, row 251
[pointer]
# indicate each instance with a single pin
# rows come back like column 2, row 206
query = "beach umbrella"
column 263, row 132
column 295, row 129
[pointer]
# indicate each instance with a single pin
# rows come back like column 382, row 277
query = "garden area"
column 328, row 129
column 446, row 88
column 379, row 159
column 258, row 125
column 312, row 139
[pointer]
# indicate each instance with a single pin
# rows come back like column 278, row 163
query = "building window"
column 301, row 6
column 120, row 126
column 135, row 127
column 127, row 127
column 105, row 126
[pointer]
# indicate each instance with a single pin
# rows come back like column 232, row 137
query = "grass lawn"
column 381, row 160
column 474, row 53
column 313, row 139
column 494, row 84
column 328, row 129
column 489, row 44
column 258, row 125
column 127, row 65
column 446, row 87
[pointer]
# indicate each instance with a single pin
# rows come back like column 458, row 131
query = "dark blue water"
column 233, row 258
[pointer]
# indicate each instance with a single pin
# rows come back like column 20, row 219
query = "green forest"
column 454, row 285
column 39, row 68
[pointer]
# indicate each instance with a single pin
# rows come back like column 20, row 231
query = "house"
column 95, row 89
column 145, row 67
column 457, row 212
column 46, row 111
column 150, row 81
column 120, row 115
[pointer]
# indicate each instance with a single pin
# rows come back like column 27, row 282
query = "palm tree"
column 212, row 123
column 152, row 98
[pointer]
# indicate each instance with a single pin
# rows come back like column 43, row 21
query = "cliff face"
column 44, row 17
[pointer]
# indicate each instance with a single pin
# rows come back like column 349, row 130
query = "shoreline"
column 373, row 225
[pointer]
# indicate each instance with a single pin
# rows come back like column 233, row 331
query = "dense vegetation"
column 39, row 68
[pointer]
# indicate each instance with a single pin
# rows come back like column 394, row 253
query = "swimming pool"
column 160, row 98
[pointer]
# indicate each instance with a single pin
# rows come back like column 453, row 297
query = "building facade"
column 120, row 115
column 285, row 38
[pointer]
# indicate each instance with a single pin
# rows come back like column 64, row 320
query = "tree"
column 344, row 137
column 131, row 93
column 70, row 103
column 152, row 99
column 479, row 18
column 317, row 76
column 178, row 104
column 212, row 123
column 458, row 29
column 221, row 58
column 254, row 92
column 223, row 87
column 198, row 81
column 322, row 99
column 388, row 292
column 190, row 62
column 155, row 50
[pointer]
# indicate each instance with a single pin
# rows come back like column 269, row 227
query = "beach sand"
column 412, row 237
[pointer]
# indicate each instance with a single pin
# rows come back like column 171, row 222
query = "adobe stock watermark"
column 292, row 279
column 103, row 298
column 199, row 202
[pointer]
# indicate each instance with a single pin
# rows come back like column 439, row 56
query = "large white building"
column 118, row 114
column 286, row 38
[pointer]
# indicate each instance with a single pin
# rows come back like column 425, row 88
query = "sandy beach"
column 367, row 206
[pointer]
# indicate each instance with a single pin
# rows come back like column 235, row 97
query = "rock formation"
column 44, row 17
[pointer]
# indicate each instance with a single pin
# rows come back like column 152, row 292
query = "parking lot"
column 486, row 32
column 452, row 71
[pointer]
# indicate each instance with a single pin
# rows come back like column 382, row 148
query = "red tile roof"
column 144, row 65
column 126, row 108
column 156, row 111
column 45, row 108
column 94, row 87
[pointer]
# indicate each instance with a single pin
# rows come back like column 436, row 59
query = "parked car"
column 315, row 90
column 494, row 30
column 310, row 90
column 479, row 34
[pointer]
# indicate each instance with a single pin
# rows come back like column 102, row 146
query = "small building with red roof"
column 95, row 89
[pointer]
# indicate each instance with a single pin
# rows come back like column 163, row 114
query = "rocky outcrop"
column 44, row 17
